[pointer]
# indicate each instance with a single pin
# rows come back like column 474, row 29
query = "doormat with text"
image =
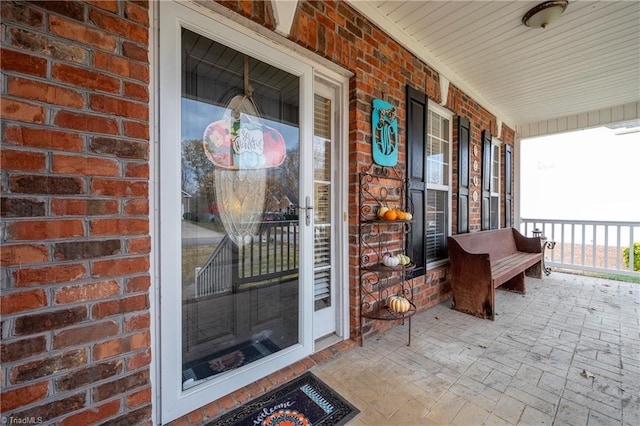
column 304, row 401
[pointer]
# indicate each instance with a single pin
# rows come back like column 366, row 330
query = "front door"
column 241, row 231
column 236, row 228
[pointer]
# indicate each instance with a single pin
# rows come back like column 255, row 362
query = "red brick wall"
column 382, row 69
column 75, row 249
column 75, row 164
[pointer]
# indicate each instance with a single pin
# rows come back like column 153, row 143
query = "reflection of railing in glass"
column 270, row 255
column 215, row 276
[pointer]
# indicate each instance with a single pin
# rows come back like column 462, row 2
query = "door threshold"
column 326, row 341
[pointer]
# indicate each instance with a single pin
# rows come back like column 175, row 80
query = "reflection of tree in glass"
column 291, row 171
column 282, row 184
column 197, row 176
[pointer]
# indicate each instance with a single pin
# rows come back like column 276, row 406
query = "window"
column 495, row 184
column 490, row 202
column 428, row 180
column 438, row 156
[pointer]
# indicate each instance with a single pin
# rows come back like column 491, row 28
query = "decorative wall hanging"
column 243, row 143
column 242, row 148
column 384, row 133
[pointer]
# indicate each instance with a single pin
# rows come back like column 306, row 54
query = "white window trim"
column 444, row 112
column 176, row 402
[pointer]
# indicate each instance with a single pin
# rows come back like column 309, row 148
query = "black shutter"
column 417, row 115
column 486, row 181
column 508, row 190
column 463, row 175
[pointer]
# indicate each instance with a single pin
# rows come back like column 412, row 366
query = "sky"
column 588, row 175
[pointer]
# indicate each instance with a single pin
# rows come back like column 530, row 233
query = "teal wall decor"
column 384, row 133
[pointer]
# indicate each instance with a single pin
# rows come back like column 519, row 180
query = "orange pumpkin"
column 390, row 215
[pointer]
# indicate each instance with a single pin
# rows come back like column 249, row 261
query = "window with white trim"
column 438, row 197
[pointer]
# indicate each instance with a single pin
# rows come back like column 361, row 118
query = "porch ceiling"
column 586, row 61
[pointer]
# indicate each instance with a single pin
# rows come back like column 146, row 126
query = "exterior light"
column 544, row 14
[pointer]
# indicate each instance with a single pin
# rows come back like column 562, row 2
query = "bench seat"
column 502, row 270
column 482, row 261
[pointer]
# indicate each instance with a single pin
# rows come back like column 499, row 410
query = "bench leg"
column 535, row 271
column 478, row 300
column 515, row 284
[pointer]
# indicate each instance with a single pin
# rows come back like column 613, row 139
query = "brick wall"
column 75, row 228
column 382, row 69
column 75, row 164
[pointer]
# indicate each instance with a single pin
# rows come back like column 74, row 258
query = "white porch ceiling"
column 586, row 61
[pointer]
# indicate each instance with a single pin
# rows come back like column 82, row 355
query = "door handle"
column 308, row 208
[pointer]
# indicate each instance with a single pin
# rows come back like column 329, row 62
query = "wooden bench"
column 483, row 261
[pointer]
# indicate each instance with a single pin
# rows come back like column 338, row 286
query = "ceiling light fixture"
column 544, row 13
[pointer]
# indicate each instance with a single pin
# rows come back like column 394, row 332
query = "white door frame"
column 176, row 402
column 335, row 89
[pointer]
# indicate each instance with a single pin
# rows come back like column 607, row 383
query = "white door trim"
column 175, row 402
column 340, row 84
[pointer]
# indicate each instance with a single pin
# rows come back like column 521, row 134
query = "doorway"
column 327, row 235
column 247, row 235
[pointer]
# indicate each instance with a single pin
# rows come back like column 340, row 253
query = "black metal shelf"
column 382, row 186
column 390, row 269
column 384, row 313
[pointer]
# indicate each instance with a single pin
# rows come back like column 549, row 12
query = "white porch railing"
column 588, row 245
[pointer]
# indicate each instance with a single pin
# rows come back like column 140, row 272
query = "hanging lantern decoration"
column 242, row 149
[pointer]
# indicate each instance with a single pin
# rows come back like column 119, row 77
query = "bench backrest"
column 497, row 242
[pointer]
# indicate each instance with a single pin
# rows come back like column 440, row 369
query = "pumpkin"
column 390, row 260
column 390, row 215
column 398, row 304
column 382, row 210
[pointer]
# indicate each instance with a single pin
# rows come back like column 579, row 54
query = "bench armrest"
column 462, row 262
column 470, row 279
column 526, row 244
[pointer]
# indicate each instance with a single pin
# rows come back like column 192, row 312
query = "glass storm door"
column 240, row 234
column 324, row 228
column 234, row 257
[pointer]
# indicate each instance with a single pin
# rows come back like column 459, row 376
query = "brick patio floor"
column 526, row 367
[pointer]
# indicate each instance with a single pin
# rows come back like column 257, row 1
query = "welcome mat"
column 304, row 401
column 229, row 359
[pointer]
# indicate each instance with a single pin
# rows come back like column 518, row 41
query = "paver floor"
column 566, row 353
